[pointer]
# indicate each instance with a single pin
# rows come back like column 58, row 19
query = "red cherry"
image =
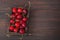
column 17, row 20
column 14, row 10
column 12, row 16
column 21, row 27
column 24, row 25
column 22, row 31
column 19, row 16
column 15, row 30
column 17, row 24
column 24, row 19
column 11, row 21
column 24, row 11
column 21, row 21
column 16, row 14
column 20, row 10
column 11, row 28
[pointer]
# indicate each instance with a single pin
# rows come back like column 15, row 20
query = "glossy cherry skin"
column 25, row 19
column 24, row 11
column 19, row 10
column 24, row 25
column 16, row 14
column 11, row 28
column 17, row 20
column 12, row 16
column 21, row 27
column 17, row 24
column 21, row 21
column 11, row 21
column 16, row 30
column 22, row 31
column 14, row 10
column 19, row 16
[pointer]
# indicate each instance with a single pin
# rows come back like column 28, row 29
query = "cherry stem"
column 29, row 5
column 21, row 37
column 7, row 14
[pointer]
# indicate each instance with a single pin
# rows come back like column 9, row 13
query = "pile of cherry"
column 18, row 20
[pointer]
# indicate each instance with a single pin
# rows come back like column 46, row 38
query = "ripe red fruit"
column 24, row 11
column 19, row 10
column 24, row 25
column 21, row 21
column 16, row 14
column 19, row 16
column 22, row 31
column 21, row 26
column 11, row 28
column 17, row 20
column 12, row 16
column 11, row 21
column 17, row 24
column 15, row 30
column 14, row 10
column 24, row 19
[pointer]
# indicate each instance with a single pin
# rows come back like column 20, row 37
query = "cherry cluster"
column 18, row 20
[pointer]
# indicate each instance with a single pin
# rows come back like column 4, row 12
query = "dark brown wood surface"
column 44, row 19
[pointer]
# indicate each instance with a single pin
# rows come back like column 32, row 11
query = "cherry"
column 12, row 16
column 17, row 24
column 24, row 19
column 16, row 14
column 17, row 20
column 14, row 10
column 21, row 27
column 19, row 10
column 15, row 30
column 11, row 28
column 11, row 21
column 24, row 11
column 21, row 21
column 24, row 25
column 22, row 31
column 19, row 16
